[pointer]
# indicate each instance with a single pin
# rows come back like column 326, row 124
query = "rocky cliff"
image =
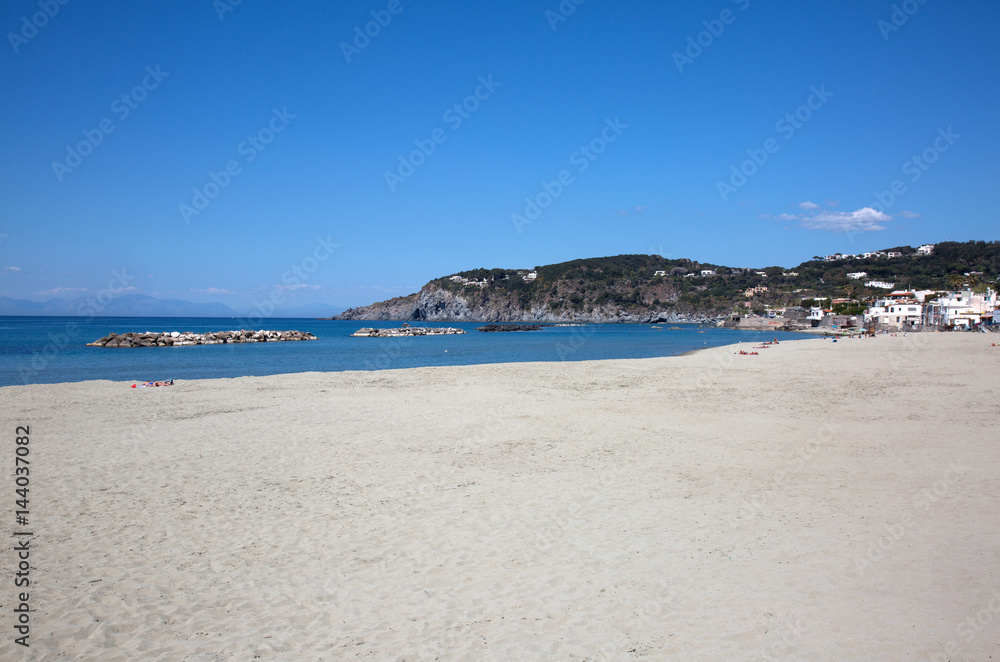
column 435, row 304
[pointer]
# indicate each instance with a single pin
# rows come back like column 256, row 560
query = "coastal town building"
column 707, row 272
column 961, row 309
column 895, row 313
column 926, row 249
column 857, row 275
column 659, row 273
column 880, row 284
column 757, row 289
column 470, row 281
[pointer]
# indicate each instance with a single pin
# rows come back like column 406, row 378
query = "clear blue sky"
column 887, row 95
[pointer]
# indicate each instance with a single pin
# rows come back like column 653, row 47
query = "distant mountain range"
column 650, row 288
column 142, row 305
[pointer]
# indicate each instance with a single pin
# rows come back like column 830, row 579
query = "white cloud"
column 808, row 205
column 863, row 220
column 12, row 269
column 292, row 287
column 215, row 290
column 909, row 214
column 787, row 217
column 64, row 290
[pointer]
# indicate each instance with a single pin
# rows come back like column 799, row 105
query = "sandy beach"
column 818, row 501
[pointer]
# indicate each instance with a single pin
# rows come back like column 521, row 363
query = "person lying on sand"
column 169, row 383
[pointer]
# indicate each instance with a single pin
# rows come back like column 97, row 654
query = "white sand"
column 706, row 507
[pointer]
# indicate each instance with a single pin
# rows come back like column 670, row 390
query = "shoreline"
column 686, row 353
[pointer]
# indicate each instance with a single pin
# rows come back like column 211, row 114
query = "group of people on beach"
column 145, row 384
column 763, row 345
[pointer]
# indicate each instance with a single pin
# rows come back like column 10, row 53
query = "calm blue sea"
column 47, row 350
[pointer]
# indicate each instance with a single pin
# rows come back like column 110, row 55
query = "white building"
column 707, row 272
column 531, row 275
column 895, row 312
column 961, row 309
column 857, row 275
column 659, row 273
column 894, row 254
column 880, row 284
column 926, row 249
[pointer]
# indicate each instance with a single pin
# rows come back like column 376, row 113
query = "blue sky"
column 818, row 103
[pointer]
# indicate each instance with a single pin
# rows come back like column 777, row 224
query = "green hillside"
column 627, row 287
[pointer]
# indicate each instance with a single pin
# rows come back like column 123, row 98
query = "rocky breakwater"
column 406, row 331
column 499, row 328
column 178, row 339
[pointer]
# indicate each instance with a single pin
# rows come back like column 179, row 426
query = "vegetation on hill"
column 628, row 285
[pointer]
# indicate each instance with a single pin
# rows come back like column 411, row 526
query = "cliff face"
column 435, row 304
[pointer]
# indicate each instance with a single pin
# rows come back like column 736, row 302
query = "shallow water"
column 53, row 349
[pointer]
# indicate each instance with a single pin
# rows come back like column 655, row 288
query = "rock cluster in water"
column 405, row 331
column 498, row 328
column 175, row 339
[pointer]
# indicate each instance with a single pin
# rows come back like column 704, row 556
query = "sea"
column 47, row 350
